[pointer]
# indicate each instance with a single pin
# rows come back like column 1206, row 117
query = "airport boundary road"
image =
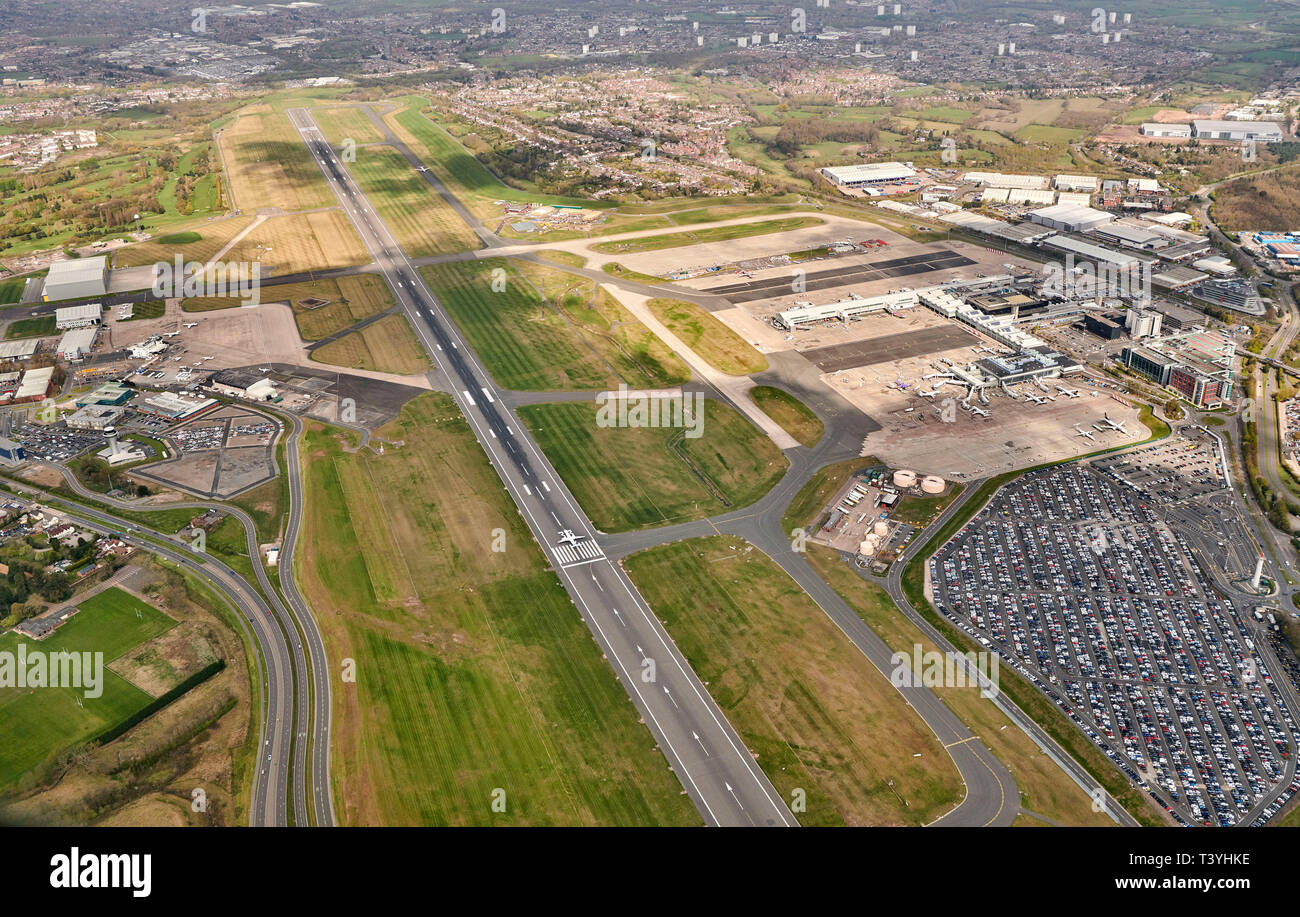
column 270, row 791
column 706, row 754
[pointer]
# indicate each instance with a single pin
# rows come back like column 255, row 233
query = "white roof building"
column 1075, row 183
column 77, row 343
column 78, row 316
column 1070, row 217
column 1004, row 180
column 868, row 173
column 1263, row 131
column 76, row 278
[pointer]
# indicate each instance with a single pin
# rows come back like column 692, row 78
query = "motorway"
column 300, row 722
column 271, row 777
column 706, row 754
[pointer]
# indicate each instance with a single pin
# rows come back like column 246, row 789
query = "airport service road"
column 271, row 776
column 310, row 720
column 707, row 755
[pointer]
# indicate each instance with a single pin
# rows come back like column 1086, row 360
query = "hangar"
column 79, row 278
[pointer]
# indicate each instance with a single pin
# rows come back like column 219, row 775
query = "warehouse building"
column 1070, row 218
column 871, row 173
column 77, row 344
column 1075, row 183
column 1007, row 180
column 1261, row 131
column 78, row 278
column 1179, row 131
column 69, row 317
column 1103, row 257
column 35, row 384
column 18, row 350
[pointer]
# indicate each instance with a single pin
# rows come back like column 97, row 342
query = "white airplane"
column 1113, row 424
column 1034, row 398
column 421, row 169
column 978, row 412
column 170, row 334
column 1079, row 431
column 930, row 394
column 1067, row 392
column 568, row 537
column 190, row 324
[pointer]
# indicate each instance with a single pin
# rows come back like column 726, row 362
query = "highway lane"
column 270, row 790
column 706, row 754
column 310, row 722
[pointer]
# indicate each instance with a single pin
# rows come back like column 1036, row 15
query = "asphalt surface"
column 715, row 768
column 271, row 779
column 305, row 728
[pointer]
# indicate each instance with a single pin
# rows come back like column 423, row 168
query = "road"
column 706, row 754
column 306, row 728
column 272, row 776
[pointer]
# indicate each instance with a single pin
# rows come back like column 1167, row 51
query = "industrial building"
column 1284, row 246
column 1153, row 129
column 18, row 350
column 173, row 407
column 68, row 317
column 77, row 344
column 1005, row 180
column 1075, row 183
column 35, row 384
column 1070, row 218
column 870, row 173
column 77, row 278
column 252, row 386
column 1261, row 131
column 1118, row 262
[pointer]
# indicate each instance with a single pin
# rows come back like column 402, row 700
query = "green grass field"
column 595, row 344
column 344, row 123
column 640, row 477
column 422, row 222
column 149, row 309
column 38, row 326
column 814, row 711
column 701, row 236
column 11, row 290
column 717, row 344
column 790, row 413
column 475, row 671
column 40, row 722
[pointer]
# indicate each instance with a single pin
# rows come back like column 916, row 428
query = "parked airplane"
column 1067, row 392
column 930, row 394
column 979, row 413
column 568, row 537
column 1079, row 431
column 1034, row 398
column 170, row 334
column 190, row 324
column 1113, row 424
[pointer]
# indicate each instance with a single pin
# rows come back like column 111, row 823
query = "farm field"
column 790, row 413
column 528, row 347
column 699, row 236
column 717, row 344
column 640, row 477
column 423, row 223
column 41, row 722
column 388, row 345
column 475, row 670
column 815, row 713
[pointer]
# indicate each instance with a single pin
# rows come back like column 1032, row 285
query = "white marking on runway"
column 469, row 397
column 584, row 552
column 487, row 395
